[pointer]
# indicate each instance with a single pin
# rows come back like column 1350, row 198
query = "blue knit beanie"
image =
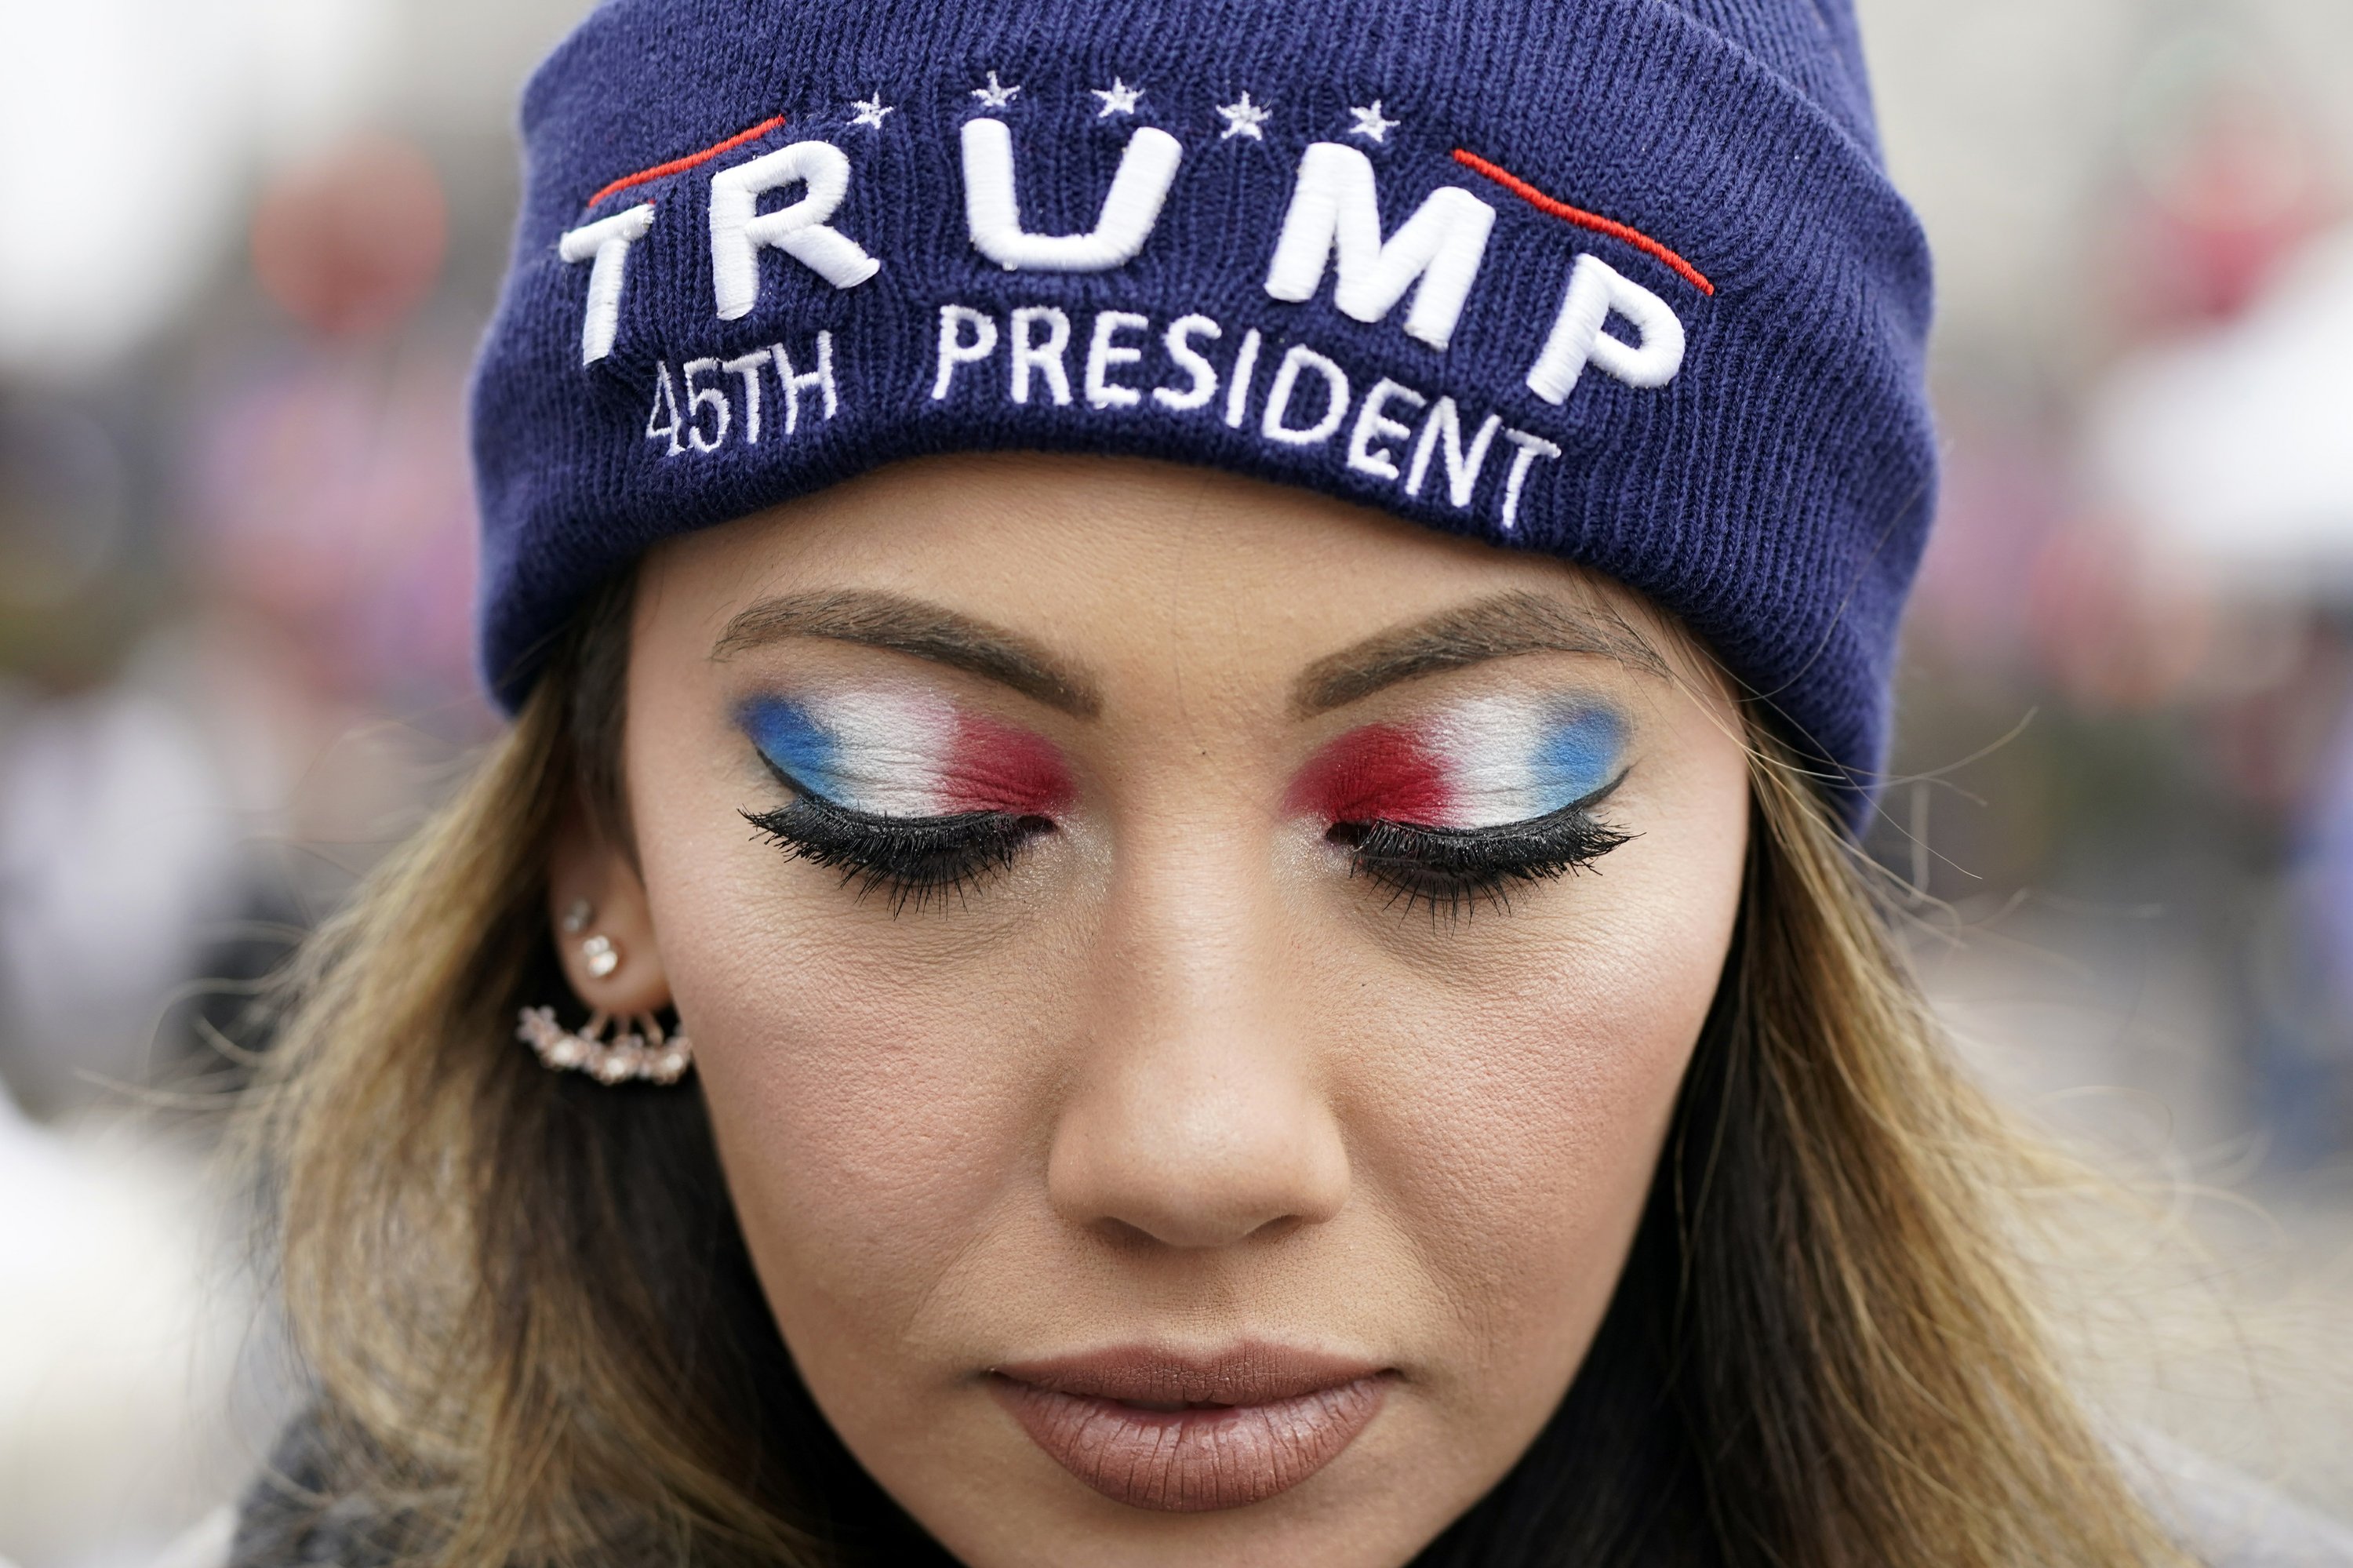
column 1622, row 281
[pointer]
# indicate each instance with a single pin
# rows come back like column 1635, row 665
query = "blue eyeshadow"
column 790, row 737
column 1579, row 751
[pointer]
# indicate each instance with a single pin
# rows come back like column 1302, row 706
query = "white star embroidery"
column 1243, row 119
column 996, row 95
column 870, row 112
column 1370, row 123
column 1117, row 99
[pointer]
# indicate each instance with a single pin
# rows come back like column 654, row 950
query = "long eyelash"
column 1452, row 871
column 912, row 861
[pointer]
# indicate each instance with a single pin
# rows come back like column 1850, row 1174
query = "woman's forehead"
column 1017, row 557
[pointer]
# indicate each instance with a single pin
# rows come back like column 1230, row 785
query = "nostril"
column 1125, row 1234
column 1182, row 1232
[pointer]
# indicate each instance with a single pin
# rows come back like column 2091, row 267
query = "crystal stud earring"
column 577, row 916
column 601, row 957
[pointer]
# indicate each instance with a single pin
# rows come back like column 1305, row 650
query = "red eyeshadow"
column 1380, row 772
column 993, row 766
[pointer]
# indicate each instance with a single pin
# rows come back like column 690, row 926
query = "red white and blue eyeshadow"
column 1485, row 763
column 896, row 753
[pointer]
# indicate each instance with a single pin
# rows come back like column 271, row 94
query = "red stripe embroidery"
column 1582, row 218
column 679, row 165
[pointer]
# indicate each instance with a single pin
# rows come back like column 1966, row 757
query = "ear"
column 597, row 911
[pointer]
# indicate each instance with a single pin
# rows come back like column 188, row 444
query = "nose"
column 1197, row 1116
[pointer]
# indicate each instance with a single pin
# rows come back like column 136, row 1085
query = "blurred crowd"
column 2126, row 771
column 236, row 569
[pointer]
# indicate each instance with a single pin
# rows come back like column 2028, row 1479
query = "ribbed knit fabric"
column 1773, row 491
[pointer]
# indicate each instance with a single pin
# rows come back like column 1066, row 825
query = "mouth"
column 1175, row 1432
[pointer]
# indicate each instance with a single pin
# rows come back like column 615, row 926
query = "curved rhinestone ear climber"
column 643, row 1053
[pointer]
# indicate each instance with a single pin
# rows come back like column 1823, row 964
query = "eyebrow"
column 1500, row 627
column 910, row 626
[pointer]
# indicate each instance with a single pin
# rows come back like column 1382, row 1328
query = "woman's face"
column 1190, row 978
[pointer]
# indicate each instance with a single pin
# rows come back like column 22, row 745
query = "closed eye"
column 909, row 860
column 1453, row 870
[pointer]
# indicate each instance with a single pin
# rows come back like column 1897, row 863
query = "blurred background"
column 247, row 247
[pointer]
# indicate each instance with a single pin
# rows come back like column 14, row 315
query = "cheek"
column 870, row 1082
column 1519, row 1121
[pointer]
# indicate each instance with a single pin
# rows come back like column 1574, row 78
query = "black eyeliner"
column 1452, row 871
column 911, row 859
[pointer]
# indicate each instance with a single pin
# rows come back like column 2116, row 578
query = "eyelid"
column 884, row 819
column 793, row 786
column 1484, row 762
column 1583, row 805
column 899, row 752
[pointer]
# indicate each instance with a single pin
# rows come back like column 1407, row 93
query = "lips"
column 1185, row 1434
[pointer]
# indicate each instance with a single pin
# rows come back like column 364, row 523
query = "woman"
column 1190, row 683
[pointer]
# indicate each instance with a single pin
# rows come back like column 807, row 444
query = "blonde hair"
column 536, row 1338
